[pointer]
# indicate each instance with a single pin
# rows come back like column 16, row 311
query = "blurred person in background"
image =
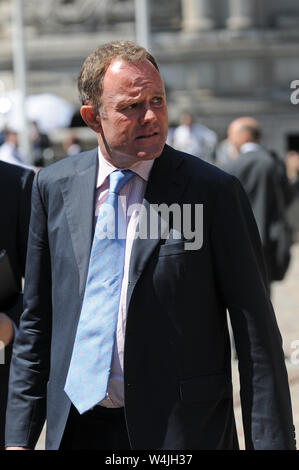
column 225, row 152
column 9, row 150
column 292, row 170
column 39, row 143
column 15, row 197
column 194, row 138
column 263, row 178
column 72, row 145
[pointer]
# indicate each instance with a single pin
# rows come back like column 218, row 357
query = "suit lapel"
column 165, row 185
column 79, row 198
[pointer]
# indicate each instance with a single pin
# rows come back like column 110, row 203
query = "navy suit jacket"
column 177, row 366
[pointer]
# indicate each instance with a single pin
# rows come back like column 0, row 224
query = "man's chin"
column 147, row 156
column 149, row 153
column 129, row 160
column 124, row 160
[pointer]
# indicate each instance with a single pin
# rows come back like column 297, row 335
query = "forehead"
column 124, row 77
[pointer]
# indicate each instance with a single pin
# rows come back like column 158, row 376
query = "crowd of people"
column 270, row 180
column 126, row 345
column 40, row 144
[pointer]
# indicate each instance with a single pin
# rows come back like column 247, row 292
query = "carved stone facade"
column 219, row 58
column 85, row 16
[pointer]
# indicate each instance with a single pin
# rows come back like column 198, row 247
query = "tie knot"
column 118, row 178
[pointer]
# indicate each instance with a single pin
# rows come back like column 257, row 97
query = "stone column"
column 241, row 14
column 197, row 15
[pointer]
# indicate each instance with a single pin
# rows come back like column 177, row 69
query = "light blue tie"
column 88, row 375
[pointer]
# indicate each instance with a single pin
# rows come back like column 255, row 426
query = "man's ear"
column 91, row 119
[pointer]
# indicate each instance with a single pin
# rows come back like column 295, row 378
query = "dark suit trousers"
column 98, row 429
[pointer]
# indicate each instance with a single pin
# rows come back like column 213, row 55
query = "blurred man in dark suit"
column 15, row 196
column 264, row 181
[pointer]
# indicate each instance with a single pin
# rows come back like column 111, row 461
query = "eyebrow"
column 129, row 101
column 124, row 104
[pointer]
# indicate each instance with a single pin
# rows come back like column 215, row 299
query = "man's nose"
column 148, row 115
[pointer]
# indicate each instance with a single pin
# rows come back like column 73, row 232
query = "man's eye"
column 132, row 106
column 157, row 100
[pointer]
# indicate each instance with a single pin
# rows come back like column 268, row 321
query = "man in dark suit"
column 15, row 195
column 160, row 376
column 263, row 179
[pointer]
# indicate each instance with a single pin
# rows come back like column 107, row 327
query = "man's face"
column 134, row 121
column 236, row 135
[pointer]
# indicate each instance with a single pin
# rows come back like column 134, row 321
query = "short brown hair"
column 90, row 79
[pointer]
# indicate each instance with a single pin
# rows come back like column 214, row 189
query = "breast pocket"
column 173, row 248
column 170, row 274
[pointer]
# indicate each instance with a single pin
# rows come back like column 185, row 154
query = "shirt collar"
column 250, row 147
column 141, row 168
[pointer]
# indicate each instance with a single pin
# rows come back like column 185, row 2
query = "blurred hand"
column 6, row 329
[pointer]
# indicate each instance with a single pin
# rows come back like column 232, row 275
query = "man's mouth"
column 147, row 136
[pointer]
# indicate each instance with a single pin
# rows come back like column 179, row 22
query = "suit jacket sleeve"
column 30, row 361
column 264, row 390
column 24, row 217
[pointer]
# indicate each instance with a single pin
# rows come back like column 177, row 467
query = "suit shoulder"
column 65, row 167
column 202, row 171
column 12, row 171
column 256, row 162
column 14, row 174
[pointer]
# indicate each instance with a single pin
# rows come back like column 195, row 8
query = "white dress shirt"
column 131, row 193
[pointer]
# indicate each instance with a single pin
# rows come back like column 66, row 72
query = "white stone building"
column 219, row 58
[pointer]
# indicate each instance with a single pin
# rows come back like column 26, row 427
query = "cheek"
column 117, row 131
column 122, row 129
column 162, row 116
column 115, row 124
column 163, row 119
